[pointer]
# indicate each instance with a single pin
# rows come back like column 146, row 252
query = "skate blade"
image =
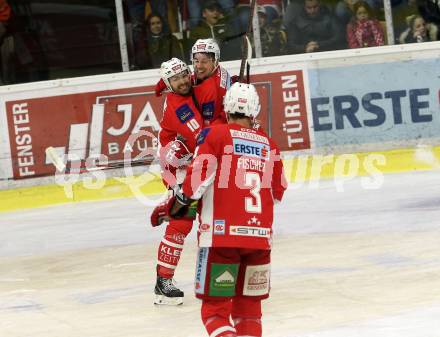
column 163, row 300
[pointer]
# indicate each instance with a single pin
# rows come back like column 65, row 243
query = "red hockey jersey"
column 180, row 117
column 209, row 94
column 237, row 172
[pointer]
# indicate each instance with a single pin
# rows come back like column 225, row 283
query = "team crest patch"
column 184, row 113
column 208, row 110
column 202, row 135
column 219, row 227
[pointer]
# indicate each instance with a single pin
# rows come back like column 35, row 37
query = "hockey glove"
column 179, row 208
column 160, row 87
column 176, row 154
column 161, row 212
column 176, row 206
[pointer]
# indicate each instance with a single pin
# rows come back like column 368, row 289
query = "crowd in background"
column 157, row 30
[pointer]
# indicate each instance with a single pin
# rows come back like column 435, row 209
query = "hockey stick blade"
column 55, row 159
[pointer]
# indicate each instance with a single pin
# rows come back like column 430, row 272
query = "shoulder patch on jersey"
column 208, row 110
column 202, row 135
column 184, row 113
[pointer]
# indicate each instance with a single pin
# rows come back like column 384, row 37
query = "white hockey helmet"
column 242, row 98
column 170, row 68
column 206, row 46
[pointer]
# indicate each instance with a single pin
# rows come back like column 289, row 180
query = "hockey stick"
column 61, row 166
column 246, row 53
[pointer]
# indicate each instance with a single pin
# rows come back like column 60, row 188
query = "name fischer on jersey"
column 253, row 164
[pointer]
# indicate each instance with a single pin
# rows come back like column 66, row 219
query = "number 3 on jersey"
column 193, row 124
column 253, row 203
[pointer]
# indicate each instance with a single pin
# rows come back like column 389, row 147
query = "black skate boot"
column 167, row 293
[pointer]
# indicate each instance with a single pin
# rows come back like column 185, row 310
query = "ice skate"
column 166, row 293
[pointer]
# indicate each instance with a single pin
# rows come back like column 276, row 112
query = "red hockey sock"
column 246, row 314
column 171, row 246
column 249, row 327
column 215, row 317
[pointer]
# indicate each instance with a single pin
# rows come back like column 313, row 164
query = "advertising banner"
column 83, row 125
column 283, row 99
column 375, row 103
column 80, row 126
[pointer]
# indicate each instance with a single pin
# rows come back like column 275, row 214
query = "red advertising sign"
column 81, row 126
column 89, row 124
column 283, row 108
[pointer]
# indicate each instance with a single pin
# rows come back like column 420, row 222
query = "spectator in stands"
column 162, row 45
column 195, row 10
column 344, row 9
column 364, row 30
column 430, row 11
column 418, row 30
column 292, row 9
column 217, row 26
column 314, row 28
column 273, row 39
column 401, row 11
column 273, row 11
column 136, row 14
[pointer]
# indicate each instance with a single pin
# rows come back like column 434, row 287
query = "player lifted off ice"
column 238, row 175
column 206, row 97
column 180, row 125
column 210, row 81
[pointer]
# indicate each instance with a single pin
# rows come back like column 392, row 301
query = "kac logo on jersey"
column 250, row 149
column 184, row 113
column 208, row 110
column 219, row 227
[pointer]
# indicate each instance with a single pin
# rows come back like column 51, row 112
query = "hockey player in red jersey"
column 180, row 125
column 210, row 79
column 238, row 175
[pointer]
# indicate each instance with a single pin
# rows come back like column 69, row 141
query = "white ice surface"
column 357, row 263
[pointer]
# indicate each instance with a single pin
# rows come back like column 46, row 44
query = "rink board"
column 335, row 115
column 342, row 167
column 347, row 101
